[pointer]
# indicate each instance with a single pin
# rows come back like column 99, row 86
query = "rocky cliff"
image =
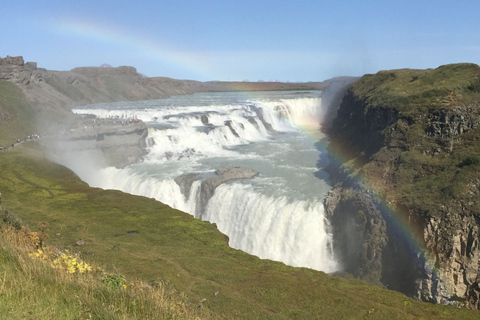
column 405, row 207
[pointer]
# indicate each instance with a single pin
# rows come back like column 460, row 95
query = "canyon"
column 405, row 168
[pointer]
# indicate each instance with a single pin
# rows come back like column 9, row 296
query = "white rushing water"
column 279, row 213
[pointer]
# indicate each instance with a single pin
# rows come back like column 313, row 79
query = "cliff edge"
column 405, row 207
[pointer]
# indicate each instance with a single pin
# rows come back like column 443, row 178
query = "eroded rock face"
column 185, row 183
column 228, row 123
column 204, row 119
column 449, row 123
column 12, row 61
column 359, row 230
column 122, row 70
column 15, row 69
column 451, row 268
column 267, row 125
column 332, row 96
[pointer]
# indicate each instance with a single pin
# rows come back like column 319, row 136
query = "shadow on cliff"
column 332, row 97
column 323, row 160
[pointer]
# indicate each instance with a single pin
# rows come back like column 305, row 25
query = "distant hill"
column 55, row 92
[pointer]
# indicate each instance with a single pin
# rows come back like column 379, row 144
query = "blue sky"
column 242, row 40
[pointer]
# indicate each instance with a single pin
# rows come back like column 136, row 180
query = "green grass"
column 21, row 115
column 411, row 91
column 31, row 289
column 188, row 255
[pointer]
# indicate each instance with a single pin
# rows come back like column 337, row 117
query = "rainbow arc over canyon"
column 398, row 222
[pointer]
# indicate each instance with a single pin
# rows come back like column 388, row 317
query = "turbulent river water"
column 278, row 214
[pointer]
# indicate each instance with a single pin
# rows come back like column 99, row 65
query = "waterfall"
column 276, row 215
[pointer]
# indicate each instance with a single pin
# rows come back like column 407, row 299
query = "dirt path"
column 19, row 177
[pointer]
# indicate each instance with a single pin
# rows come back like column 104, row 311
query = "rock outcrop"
column 452, row 258
column 447, row 124
column 15, row 69
column 11, row 61
column 359, row 232
column 405, row 207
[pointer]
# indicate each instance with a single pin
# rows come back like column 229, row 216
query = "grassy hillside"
column 144, row 239
column 43, row 284
column 412, row 91
column 17, row 117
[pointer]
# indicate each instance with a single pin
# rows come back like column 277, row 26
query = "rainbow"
column 398, row 223
column 401, row 228
column 149, row 47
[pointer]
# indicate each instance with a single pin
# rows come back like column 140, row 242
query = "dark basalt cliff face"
column 405, row 207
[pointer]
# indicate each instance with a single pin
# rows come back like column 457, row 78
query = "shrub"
column 470, row 160
column 9, row 218
column 114, row 281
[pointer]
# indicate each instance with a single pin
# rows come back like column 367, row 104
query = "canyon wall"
column 405, row 208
